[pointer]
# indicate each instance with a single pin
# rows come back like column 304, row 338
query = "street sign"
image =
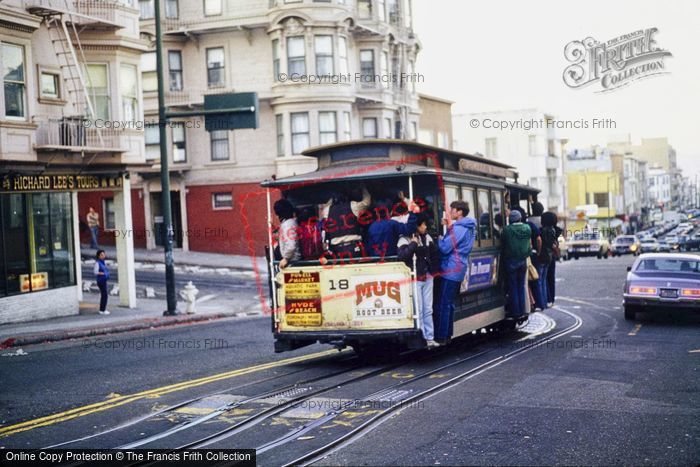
column 231, row 111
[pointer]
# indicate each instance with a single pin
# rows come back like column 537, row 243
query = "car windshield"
column 648, row 240
column 624, row 240
column 586, row 236
column 669, row 265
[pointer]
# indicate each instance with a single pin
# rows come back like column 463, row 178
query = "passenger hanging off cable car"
column 384, row 232
column 422, row 246
column 288, row 233
column 342, row 221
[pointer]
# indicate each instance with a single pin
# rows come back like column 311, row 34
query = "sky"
column 502, row 55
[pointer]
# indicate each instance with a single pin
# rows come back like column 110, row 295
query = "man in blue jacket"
column 454, row 247
column 384, row 233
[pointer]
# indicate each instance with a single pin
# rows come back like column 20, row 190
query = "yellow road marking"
column 402, row 375
column 336, row 423
column 281, row 421
column 151, row 393
column 634, row 331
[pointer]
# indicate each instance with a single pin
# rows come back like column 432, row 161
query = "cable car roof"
column 353, row 171
column 425, row 148
column 380, row 158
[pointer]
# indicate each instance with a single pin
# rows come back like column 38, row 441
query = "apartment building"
column 69, row 69
column 530, row 144
column 657, row 152
column 324, row 71
column 435, row 126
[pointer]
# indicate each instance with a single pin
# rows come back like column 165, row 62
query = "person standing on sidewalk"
column 516, row 250
column 93, row 222
column 102, row 276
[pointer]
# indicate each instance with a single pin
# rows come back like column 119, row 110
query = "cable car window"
column 498, row 216
column 484, row 219
column 468, row 196
column 451, row 194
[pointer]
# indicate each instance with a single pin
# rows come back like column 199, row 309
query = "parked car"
column 589, row 244
column 673, row 241
column 691, row 243
column 649, row 245
column 662, row 280
column 625, row 244
column 664, row 247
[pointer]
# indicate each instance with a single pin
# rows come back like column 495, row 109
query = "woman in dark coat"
column 549, row 219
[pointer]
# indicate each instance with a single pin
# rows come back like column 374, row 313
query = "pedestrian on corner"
column 102, row 276
column 93, row 222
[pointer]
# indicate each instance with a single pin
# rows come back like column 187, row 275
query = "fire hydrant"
column 189, row 295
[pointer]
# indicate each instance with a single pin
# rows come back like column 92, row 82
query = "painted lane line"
column 634, row 331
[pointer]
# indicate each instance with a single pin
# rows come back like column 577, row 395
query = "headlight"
column 643, row 290
column 633, row 248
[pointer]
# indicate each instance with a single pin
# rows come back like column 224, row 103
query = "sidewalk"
column 89, row 323
column 184, row 258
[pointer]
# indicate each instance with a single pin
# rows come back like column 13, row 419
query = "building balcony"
column 76, row 135
column 92, row 14
column 188, row 97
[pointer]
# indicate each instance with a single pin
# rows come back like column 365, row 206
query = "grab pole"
column 272, row 257
column 417, row 316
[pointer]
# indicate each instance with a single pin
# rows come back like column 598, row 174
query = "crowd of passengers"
column 352, row 225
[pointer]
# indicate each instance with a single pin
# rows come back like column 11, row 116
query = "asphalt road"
column 612, row 392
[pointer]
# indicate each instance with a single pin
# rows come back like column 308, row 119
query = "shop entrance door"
column 159, row 226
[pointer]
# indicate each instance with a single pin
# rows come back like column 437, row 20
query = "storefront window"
column 37, row 242
column 15, row 245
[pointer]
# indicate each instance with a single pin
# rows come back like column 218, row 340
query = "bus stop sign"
column 232, row 111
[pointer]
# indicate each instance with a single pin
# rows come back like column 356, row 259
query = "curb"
column 184, row 262
column 147, row 323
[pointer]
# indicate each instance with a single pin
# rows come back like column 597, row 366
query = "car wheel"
column 600, row 254
column 630, row 313
column 576, row 257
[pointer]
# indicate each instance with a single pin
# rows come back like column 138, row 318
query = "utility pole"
column 164, row 174
column 228, row 111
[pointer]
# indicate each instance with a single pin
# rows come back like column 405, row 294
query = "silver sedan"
column 662, row 280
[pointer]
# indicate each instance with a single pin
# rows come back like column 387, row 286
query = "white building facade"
column 324, row 71
column 525, row 139
column 660, row 183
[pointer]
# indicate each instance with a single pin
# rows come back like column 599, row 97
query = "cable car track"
column 301, row 392
column 381, row 417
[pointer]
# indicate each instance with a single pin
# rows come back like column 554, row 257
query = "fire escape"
column 76, row 131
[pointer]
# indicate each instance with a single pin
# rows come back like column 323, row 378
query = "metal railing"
column 85, row 12
column 77, row 132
